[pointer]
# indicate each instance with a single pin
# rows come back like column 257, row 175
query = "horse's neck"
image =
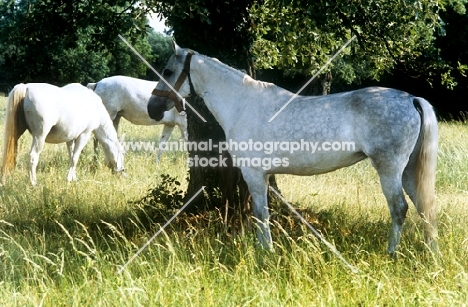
column 107, row 136
column 224, row 90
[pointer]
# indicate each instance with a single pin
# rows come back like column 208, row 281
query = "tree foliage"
column 299, row 36
column 161, row 51
column 69, row 41
column 220, row 29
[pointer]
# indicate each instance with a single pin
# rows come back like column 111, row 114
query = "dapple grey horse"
column 395, row 130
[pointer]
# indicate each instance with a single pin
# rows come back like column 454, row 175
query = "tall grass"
column 63, row 244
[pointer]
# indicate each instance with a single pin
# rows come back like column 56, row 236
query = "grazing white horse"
column 395, row 130
column 55, row 115
column 128, row 98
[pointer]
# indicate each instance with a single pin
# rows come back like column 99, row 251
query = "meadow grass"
column 63, row 244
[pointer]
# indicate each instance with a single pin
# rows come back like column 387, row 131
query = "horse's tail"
column 15, row 125
column 91, row 86
column 425, row 159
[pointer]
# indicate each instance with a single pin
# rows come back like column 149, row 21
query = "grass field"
column 63, row 244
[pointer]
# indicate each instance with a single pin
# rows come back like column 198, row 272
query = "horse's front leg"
column 166, row 133
column 74, row 150
column 182, row 123
column 36, row 149
column 258, row 187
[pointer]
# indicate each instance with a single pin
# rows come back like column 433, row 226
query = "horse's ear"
column 177, row 49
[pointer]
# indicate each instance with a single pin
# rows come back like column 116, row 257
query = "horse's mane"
column 246, row 79
column 256, row 83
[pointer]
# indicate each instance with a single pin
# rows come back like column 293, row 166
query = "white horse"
column 128, row 98
column 56, row 115
column 397, row 131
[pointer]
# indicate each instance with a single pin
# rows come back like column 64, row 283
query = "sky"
column 157, row 25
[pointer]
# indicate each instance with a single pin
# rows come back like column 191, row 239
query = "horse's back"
column 124, row 89
column 79, row 97
column 61, row 113
column 70, row 96
column 375, row 118
column 336, row 130
column 127, row 97
column 357, row 114
column 39, row 92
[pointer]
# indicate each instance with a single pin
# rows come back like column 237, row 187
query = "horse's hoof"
column 122, row 174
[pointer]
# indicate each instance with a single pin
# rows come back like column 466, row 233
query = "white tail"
column 426, row 169
column 15, row 125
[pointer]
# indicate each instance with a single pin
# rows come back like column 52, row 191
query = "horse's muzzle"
column 156, row 108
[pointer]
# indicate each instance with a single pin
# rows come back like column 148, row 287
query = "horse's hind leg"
column 244, row 205
column 390, row 173
column 427, row 213
column 36, row 149
column 116, row 122
column 410, row 184
column 75, row 147
column 72, row 171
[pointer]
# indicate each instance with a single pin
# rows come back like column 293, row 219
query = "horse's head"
column 174, row 85
column 114, row 157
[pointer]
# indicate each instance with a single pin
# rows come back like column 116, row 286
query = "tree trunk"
column 230, row 40
column 326, row 82
column 225, row 187
column 319, row 86
column 200, row 172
